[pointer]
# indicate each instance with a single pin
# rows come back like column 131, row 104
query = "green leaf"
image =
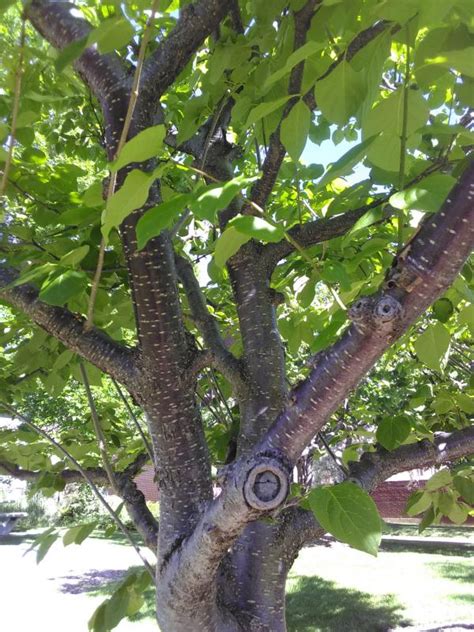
column 264, row 109
column 77, row 534
column 345, row 164
column 432, row 346
column 74, row 257
column 216, row 197
column 144, row 145
column 59, row 289
column 466, row 317
column 340, row 94
column 97, row 621
column 32, row 274
column 440, row 479
column 465, row 402
column 159, row 217
column 443, row 309
column 465, row 486
column 6, row 4
column 428, row 195
column 93, row 196
column 43, row 543
column 295, row 129
column 442, row 404
column 384, row 152
column 385, row 121
column 400, row 11
column 458, row 513
column 445, row 502
column 428, row 518
column 351, row 453
column 417, row 503
column 392, row 432
column 132, row 195
column 70, row 53
column 372, row 216
column 299, row 55
column 257, row 228
column 112, row 34
column 62, row 360
column 349, row 514
column 228, row 244
column 125, row 601
column 460, row 60
column 387, row 116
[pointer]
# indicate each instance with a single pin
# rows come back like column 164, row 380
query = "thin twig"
column 16, row 107
column 403, row 138
column 134, row 419
column 123, row 138
column 331, row 454
column 99, row 433
column 86, row 477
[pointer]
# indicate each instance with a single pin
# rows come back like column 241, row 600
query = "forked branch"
column 420, row 274
column 94, row 345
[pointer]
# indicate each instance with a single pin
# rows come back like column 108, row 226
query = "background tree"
column 159, row 227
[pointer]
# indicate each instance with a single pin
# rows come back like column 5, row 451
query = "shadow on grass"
column 445, row 531
column 92, row 581
column 448, row 548
column 457, row 572
column 17, row 538
column 316, row 605
column 117, row 537
column 103, row 583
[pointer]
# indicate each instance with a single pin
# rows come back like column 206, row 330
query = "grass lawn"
column 331, row 589
column 339, row 589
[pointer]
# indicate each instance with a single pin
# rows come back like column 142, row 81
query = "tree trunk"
column 252, row 583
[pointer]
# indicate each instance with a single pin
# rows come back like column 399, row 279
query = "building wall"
column 146, row 484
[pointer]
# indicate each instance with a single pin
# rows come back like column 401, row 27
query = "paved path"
column 56, row 590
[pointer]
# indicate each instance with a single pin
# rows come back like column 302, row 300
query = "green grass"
column 337, row 589
column 445, row 532
column 330, row 588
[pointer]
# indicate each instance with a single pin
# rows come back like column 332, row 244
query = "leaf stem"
column 403, row 138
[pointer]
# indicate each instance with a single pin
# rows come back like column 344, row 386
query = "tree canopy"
column 232, row 231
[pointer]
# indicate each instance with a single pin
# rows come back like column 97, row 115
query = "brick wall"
column 391, row 497
column 146, row 484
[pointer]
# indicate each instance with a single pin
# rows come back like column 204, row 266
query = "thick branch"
column 104, row 74
column 125, row 487
column 222, row 358
column 96, row 474
column 375, row 467
column 315, row 232
column 196, row 22
column 422, row 272
column 94, row 345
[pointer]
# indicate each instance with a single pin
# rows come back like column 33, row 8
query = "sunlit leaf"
column 349, row 514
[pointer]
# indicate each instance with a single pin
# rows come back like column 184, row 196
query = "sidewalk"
column 408, row 541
